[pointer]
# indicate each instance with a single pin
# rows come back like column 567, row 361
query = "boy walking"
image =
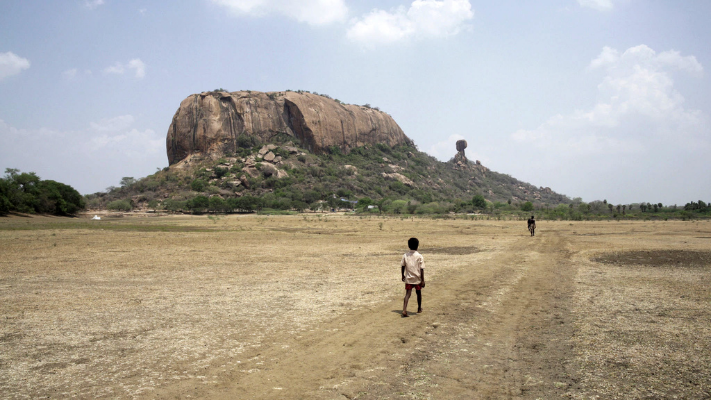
column 532, row 225
column 413, row 274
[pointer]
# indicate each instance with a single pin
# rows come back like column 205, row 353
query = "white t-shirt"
column 413, row 262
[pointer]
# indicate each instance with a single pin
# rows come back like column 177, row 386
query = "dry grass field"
column 308, row 307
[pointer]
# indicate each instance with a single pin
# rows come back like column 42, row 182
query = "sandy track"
column 497, row 329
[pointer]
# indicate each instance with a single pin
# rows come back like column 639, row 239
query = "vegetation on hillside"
column 25, row 192
column 371, row 179
column 378, row 178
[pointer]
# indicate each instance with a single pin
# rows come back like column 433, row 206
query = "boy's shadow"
column 408, row 313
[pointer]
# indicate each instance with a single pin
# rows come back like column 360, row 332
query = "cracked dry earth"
column 308, row 307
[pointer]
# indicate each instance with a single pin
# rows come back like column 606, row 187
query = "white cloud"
column 445, row 149
column 115, row 133
column 133, row 144
column 643, row 57
column 138, row 66
column 92, row 4
column 600, row 5
column 640, row 141
column 424, row 18
column 70, row 74
column 89, row 159
column 117, row 68
column 638, row 104
column 12, row 64
column 113, row 124
column 312, row 12
column 74, row 73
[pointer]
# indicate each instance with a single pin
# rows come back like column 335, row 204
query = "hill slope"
column 283, row 175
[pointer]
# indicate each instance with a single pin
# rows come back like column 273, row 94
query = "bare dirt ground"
column 308, row 307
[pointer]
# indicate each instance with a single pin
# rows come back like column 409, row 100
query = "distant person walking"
column 532, row 225
column 413, row 274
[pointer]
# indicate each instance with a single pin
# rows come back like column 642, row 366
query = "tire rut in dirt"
column 506, row 337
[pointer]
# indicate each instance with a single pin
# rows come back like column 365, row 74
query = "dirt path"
column 495, row 329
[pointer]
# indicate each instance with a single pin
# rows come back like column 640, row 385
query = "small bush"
column 198, row 185
column 119, row 205
column 479, row 202
column 220, row 172
column 247, row 141
column 527, row 206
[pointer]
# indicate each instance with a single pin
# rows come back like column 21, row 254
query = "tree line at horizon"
column 344, row 200
column 25, row 192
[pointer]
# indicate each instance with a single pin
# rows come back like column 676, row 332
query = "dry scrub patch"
column 658, row 258
column 452, row 250
column 643, row 317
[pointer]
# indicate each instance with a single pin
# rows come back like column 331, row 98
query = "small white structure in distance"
column 96, row 218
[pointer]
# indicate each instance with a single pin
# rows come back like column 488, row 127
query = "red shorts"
column 409, row 287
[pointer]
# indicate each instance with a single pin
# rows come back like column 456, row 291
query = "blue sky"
column 601, row 99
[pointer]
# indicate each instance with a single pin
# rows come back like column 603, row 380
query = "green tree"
column 153, row 204
column 22, row 190
column 246, row 203
column 382, row 203
column 220, row 172
column 311, row 196
column 299, row 205
column 119, row 205
column 174, row 205
column 127, row 181
column 26, row 192
column 364, row 202
column 198, row 203
column 344, row 193
column 398, row 187
column 399, row 206
column 216, row 204
column 198, row 185
column 479, row 202
column 527, row 206
column 58, row 199
column 5, row 205
column 315, row 206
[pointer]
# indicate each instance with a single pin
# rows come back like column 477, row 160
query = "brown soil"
column 293, row 307
column 658, row 258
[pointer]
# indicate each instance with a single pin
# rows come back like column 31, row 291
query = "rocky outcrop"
column 210, row 123
column 460, row 159
column 461, row 145
column 399, row 177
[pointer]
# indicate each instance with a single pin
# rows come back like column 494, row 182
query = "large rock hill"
column 210, row 123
